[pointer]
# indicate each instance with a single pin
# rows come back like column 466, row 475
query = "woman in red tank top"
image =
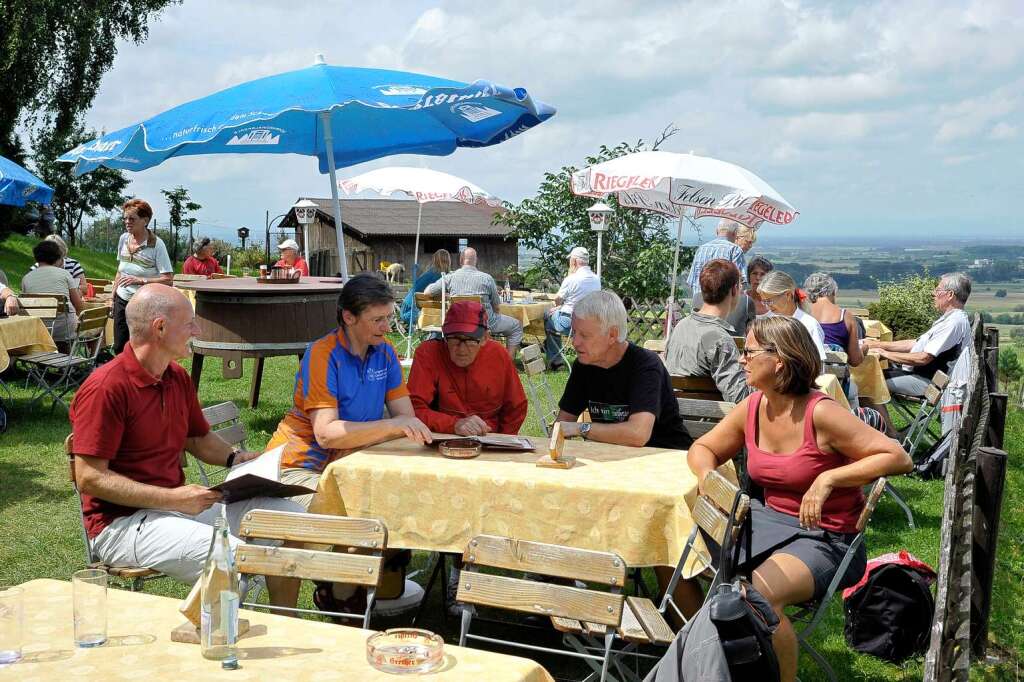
column 811, row 457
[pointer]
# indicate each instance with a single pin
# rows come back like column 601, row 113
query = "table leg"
column 197, row 369
column 254, row 388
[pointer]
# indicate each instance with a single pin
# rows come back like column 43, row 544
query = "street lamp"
column 243, row 234
column 600, row 215
column 305, row 213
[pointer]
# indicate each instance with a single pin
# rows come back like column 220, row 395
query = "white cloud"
column 970, row 117
column 1003, row 131
column 815, row 92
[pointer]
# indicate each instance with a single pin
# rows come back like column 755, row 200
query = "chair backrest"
column 427, row 301
column 656, row 345
column 369, row 536
column 474, row 298
column 837, row 364
column 740, row 341
column 541, row 397
column 712, row 509
column 541, row 598
column 178, row 277
column 858, row 312
column 870, row 503
column 45, row 306
column 700, row 416
column 69, row 450
column 700, row 388
column 224, row 420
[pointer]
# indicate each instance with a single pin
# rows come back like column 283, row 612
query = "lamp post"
column 305, row 213
column 600, row 215
column 243, row 234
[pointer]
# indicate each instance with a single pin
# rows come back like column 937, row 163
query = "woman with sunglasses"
column 141, row 259
column 202, row 260
column 812, row 458
column 779, row 291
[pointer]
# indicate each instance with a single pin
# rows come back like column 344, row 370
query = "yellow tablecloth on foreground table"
column 633, row 501
column 525, row 313
column 277, row 647
column 877, row 330
column 829, row 384
column 21, row 335
column 870, row 380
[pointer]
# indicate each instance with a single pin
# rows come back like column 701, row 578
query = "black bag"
column 890, row 615
column 745, row 622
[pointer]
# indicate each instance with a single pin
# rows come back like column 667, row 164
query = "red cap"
column 465, row 317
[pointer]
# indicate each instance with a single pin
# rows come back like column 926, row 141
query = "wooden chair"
column 225, row 421
column 741, row 342
column 810, row 613
column 927, row 408
column 544, row 404
column 837, row 364
column 98, row 283
column 135, row 577
column 584, row 614
column 46, row 307
column 178, row 277
column 700, row 416
column 859, row 312
column 57, row 374
column 699, row 388
column 362, row 565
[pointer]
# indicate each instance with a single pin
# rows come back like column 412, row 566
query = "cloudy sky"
column 872, row 118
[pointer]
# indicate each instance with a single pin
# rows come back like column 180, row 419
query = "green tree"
column 76, row 197
column 905, row 305
column 180, row 205
column 1000, row 293
column 1009, row 369
column 54, row 54
column 638, row 246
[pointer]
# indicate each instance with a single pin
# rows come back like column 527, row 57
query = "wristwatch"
column 585, row 429
column 231, row 458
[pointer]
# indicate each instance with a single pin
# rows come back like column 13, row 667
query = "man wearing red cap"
column 466, row 383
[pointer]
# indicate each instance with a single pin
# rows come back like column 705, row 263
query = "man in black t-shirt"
column 626, row 388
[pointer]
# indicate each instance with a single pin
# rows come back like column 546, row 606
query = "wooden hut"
column 384, row 230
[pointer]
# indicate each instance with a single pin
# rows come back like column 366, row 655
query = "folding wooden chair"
column 586, row 614
column 927, row 409
column 541, row 398
column 699, row 388
column 366, row 540
column 700, row 416
column 134, row 576
column 44, row 306
column 57, row 374
column 810, row 613
column 225, row 421
column 837, row 364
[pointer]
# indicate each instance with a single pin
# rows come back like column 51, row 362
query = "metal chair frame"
column 543, row 400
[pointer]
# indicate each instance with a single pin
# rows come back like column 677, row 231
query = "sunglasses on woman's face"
column 751, row 352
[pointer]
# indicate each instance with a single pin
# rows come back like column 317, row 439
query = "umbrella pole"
column 675, row 276
column 412, row 284
column 325, row 120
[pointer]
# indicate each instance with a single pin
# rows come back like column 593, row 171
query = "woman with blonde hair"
column 812, row 458
column 780, row 292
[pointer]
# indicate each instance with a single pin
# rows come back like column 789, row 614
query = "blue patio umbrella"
column 342, row 115
column 18, row 186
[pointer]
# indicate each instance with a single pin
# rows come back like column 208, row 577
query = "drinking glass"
column 90, row 597
column 10, row 624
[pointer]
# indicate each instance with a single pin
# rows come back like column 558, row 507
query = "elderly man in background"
column 290, row 257
column 468, row 281
column 201, row 261
column 626, row 389
column 723, row 246
column 702, row 344
column 580, row 281
column 936, row 350
column 466, row 383
column 131, row 419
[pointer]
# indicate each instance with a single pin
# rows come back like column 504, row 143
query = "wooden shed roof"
column 397, row 217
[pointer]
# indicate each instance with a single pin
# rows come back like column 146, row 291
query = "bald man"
column 131, row 419
column 468, row 281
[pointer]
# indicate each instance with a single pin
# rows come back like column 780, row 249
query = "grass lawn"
column 39, row 526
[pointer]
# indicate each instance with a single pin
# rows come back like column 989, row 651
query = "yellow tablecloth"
column 276, row 648
column 870, row 380
column 525, row 313
column 829, row 384
column 633, row 501
column 874, row 329
column 22, row 335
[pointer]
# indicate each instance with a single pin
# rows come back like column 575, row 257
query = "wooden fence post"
column 988, row 501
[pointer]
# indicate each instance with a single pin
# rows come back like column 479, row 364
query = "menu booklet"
column 500, row 442
column 258, row 478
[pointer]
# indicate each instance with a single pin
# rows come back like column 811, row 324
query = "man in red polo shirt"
column 466, row 383
column 131, row 420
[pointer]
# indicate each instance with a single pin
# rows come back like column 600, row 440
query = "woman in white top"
column 780, row 292
column 142, row 259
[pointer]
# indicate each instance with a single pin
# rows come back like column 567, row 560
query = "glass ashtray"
column 405, row 650
column 459, row 448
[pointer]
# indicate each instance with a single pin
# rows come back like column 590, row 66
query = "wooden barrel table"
column 242, row 318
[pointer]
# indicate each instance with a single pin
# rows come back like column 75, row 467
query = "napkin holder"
column 556, row 459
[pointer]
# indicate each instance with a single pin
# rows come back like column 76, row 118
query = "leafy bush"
column 252, row 257
column 1009, row 368
column 1000, row 293
column 905, row 305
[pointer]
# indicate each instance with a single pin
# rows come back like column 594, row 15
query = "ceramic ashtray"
column 405, row 651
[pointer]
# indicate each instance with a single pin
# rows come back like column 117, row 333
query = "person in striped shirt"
column 723, row 246
column 73, row 267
